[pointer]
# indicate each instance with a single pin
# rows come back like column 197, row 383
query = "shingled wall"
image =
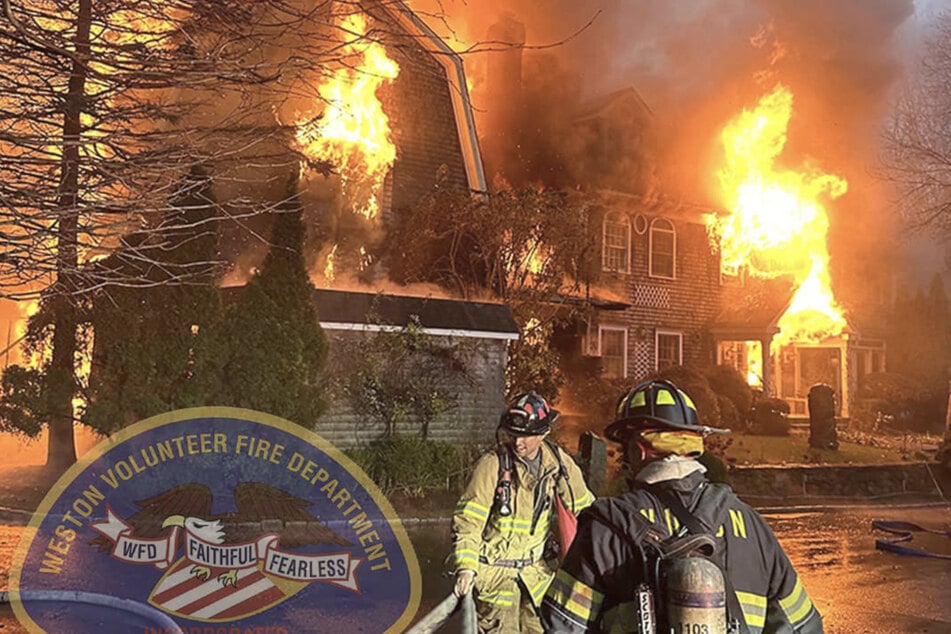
column 419, row 106
column 686, row 304
column 474, row 419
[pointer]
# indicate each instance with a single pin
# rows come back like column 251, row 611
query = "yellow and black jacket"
column 594, row 590
column 498, row 548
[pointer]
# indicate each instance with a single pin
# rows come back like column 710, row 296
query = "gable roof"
column 601, row 104
column 458, row 87
column 752, row 310
column 374, row 312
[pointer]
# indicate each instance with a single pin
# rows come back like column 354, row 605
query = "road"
column 857, row 588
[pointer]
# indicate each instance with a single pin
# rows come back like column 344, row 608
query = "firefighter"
column 608, row 581
column 504, row 526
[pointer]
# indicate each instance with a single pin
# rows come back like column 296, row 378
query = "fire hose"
column 147, row 612
column 904, row 531
column 439, row 616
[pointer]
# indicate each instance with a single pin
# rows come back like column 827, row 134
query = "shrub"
column 416, row 467
column 907, row 403
column 727, row 381
column 729, row 416
column 769, row 416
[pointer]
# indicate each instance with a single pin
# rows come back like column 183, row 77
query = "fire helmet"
column 528, row 415
column 655, row 404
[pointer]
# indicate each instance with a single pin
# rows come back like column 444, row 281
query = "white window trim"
column 604, row 245
column 650, row 249
column 673, row 333
column 623, row 329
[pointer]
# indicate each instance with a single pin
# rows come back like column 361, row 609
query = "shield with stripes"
column 205, row 597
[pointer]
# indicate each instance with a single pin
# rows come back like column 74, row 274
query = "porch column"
column 767, row 368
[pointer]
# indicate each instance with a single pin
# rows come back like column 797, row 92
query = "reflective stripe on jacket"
column 594, row 591
column 481, row 537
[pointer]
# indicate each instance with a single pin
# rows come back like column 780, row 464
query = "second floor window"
column 616, row 243
column 663, row 249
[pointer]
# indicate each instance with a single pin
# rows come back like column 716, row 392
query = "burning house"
column 744, row 282
column 396, row 124
column 656, row 261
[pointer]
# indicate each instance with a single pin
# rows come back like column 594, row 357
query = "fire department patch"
column 215, row 519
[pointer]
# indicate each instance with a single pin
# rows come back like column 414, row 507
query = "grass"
column 794, row 449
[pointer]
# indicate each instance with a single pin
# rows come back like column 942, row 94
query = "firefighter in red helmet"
column 612, row 578
column 503, row 526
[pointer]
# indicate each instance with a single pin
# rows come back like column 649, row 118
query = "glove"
column 464, row 582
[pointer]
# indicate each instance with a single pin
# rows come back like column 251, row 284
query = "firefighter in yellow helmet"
column 610, row 580
column 504, row 526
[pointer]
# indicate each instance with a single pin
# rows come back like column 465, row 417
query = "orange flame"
column 329, row 267
column 353, row 133
column 777, row 225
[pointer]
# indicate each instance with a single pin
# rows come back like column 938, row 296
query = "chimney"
column 505, row 39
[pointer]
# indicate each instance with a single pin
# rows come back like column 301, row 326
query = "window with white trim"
column 663, row 249
column 668, row 349
column 613, row 345
column 616, row 243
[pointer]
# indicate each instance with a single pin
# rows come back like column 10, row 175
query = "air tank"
column 695, row 596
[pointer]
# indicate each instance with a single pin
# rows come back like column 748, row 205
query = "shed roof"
column 348, row 310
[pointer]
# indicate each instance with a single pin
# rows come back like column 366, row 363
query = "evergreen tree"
column 276, row 347
column 155, row 346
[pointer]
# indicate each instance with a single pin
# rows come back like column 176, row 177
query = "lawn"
column 745, row 449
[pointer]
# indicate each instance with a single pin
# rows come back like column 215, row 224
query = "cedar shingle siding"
column 475, row 417
column 421, row 114
column 686, row 304
column 479, row 333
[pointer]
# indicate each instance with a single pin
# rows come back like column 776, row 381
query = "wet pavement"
column 857, row 588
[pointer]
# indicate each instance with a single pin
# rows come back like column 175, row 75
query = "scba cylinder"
column 695, row 597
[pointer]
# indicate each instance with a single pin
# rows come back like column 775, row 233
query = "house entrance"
column 802, row 367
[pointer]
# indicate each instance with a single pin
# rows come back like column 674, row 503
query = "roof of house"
column 752, row 310
column 348, row 310
column 602, row 103
column 458, row 87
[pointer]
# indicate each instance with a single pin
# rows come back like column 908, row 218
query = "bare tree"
column 104, row 106
column 531, row 249
column 917, row 137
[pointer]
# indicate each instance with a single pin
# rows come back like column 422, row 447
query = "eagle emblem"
column 227, row 566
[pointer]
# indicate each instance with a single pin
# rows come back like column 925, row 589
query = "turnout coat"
column 504, row 551
column 594, row 590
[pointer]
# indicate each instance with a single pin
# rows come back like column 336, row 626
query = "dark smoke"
column 695, row 64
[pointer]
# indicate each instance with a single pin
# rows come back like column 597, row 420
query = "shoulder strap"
column 562, row 473
column 505, row 459
column 502, row 499
column 692, row 524
column 642, row 537
column 562, row 470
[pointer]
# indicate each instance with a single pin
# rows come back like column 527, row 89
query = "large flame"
column 777, row 225
column 353, row 133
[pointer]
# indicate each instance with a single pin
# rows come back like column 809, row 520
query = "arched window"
column 616, row 243
column 663, row 249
